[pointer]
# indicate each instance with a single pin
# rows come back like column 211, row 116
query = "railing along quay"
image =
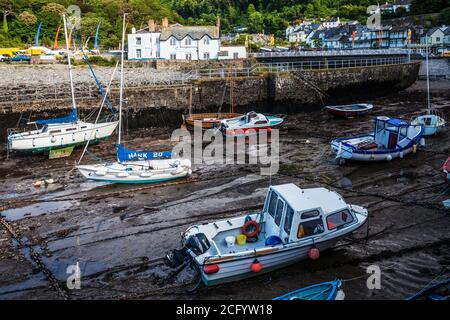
column 60, row 92
column 331, row 53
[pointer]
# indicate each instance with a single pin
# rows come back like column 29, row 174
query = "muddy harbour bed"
column 119, row 234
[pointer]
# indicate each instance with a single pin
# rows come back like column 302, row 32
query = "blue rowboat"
column 322, row 291
column 437, row 291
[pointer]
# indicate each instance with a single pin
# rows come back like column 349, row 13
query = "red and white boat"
column 446, row 170
column 349, row 111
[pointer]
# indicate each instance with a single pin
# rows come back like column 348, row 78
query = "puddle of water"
column 38, row 209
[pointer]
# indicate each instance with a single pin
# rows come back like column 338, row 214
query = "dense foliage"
column 21, row 17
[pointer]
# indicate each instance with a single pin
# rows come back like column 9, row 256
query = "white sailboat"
column 135, row 166
column 61, row 132
column 431, row 122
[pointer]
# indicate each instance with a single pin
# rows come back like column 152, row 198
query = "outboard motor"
column 195, row 245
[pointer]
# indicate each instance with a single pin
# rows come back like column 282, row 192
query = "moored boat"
column 348, row 111
column 61, row 132
column 135, row 166
column 294, row 224
column 249, row 124
column 322, row 291
column 392, row 138
column 208, row 120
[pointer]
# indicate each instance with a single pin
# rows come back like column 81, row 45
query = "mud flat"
column 119, row 244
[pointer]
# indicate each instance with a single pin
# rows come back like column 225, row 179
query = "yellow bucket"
column 241, row 239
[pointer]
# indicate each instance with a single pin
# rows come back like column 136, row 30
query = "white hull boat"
column 392, row 138
column 135, row 166
column 145, row 171
column 295, row 224
column 60, row 135
column 248, row 124
column 432, row 124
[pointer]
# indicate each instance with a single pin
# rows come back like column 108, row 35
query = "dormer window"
column 188, row 41
column 206, row 41
column 172, row 41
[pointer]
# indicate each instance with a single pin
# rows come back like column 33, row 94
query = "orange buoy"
column 256, row 266
column 314, row 253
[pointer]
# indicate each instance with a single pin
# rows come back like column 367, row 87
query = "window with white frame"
column 188, row 41
column 172, row 41
column 188, row 56
column 206, row 55
column 206, row 40
column 173, row 56
column 235, row 55
column 138, row 41
column 138, row 53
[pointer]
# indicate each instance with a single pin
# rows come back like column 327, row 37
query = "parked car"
column 3, row 58
column 20, row 57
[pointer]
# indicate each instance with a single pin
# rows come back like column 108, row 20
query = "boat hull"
column 135, row 173
column 35, row 142
column 343, row 112
column 240, row 269
column 322, row 291
column 208, row 120
column 350, row 154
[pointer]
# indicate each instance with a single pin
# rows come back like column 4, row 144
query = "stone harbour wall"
column 149, row 105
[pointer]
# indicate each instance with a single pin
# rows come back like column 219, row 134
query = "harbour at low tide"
column 119, row 234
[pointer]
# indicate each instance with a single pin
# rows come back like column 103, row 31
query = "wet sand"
column 120, row 245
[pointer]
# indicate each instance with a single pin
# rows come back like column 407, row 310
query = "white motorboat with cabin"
column 391, row 138
column 61, row 132
column 135, row 166
column 294, row 224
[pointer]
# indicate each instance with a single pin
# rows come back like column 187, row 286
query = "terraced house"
column 178, row 42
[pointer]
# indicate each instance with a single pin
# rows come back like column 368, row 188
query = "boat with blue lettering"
column 323, row 291
column 392, row 138
column 294, row 224
column 135, row 166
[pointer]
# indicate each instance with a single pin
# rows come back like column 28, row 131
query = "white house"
column 435, row 36
column 177, row 42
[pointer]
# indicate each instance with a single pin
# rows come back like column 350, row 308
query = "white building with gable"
column 178, row 42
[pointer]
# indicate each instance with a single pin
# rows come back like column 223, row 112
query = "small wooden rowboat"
column 351, row 110
column 446, row 170
column 208, row 120
column 322, row 291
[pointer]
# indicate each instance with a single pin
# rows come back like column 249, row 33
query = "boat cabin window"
column 261, row 122
column 279, row 213
column 71, row 129
column 339, row 219
column 427, row 121
column 310, row 228
column 403, row 133
column 54, row 131
column 273, row 203
column 310, row 214
column 288, row 220
column 380, row 126
column 83, row 127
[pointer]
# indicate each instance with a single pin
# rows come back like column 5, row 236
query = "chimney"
column 151, row 25
column 165, row 23
column 218, row 26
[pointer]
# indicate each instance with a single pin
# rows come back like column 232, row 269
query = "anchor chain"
column 36, row 259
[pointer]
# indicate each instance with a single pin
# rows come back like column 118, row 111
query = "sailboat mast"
column 70, row 63
column 428, row 77
column 121, row 79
